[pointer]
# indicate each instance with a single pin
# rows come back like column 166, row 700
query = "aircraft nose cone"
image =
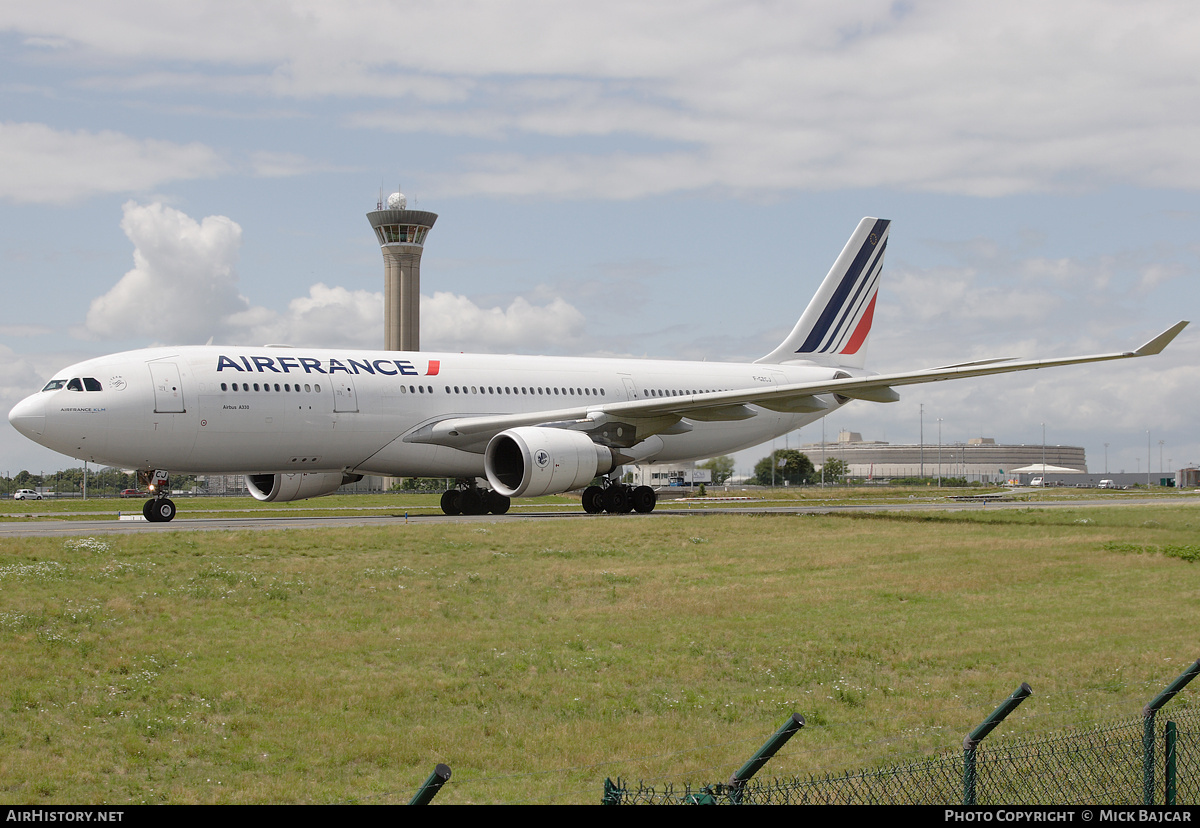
column 29, row 416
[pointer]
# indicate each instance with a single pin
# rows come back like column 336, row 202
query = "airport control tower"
column 401, row 234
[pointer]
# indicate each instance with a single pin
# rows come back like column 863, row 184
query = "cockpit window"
column 54, row 385
column 75, row 385
column 92, row 384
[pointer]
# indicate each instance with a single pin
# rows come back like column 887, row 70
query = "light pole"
column 1106, row 459
column 1043, row 455
column 922, row 474
column 939, row 419
column 822, row 452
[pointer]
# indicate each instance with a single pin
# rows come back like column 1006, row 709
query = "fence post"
column 1148, row 728
column 980, row 733
column 1169, row 769
column 432, row 785
column 746, row 771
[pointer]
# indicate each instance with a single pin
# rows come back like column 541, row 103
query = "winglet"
column 1156, row 345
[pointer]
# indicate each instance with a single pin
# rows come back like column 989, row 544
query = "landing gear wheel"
column 497, row 504
column 616, row 499
column 159, row 510
column 451, row 504
column 472, row 502
column 593, row 500
column 644, row 499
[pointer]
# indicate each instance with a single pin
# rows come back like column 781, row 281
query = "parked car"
column 132, row 493
column 1037, row 481
column 1108, row 484
column 26, row 494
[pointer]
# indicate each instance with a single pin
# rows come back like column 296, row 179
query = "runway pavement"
column 387, row 517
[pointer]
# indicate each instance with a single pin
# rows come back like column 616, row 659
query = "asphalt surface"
column 107, row 523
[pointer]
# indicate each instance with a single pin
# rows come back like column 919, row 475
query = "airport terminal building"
column 980, row 458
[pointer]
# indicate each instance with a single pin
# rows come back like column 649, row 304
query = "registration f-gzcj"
column 300, row 423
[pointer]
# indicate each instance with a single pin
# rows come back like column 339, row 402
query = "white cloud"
column 183, row 286
column 963, row 98
column 451, row 322
column 183, row 289
column 48, row 166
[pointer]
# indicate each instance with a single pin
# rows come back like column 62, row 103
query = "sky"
column 667, row 180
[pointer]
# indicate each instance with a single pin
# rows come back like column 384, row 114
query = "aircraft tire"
column 497, row 504
column 472, row 502
column 627, row 506
column 593, row 500
column 644, row 499
column 451, row 504
column 159, row 510
column 616, row 499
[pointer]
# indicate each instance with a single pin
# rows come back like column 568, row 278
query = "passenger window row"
column 266, row 386
column 524, row 390
column 94, row 385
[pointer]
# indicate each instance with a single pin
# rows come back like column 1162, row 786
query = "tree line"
column 786, row 467
column 101, row 482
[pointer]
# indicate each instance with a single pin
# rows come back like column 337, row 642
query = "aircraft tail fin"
column 833, row 329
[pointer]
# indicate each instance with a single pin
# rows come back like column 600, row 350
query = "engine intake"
column 530, row 461
column 280, row 488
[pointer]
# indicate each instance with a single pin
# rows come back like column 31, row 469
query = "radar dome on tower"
column 397, row 201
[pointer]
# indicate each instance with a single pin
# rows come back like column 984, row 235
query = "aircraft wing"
column 668, row 415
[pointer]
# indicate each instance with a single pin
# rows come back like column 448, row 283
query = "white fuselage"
column 221, row 409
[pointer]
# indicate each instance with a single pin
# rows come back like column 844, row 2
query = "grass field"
column 538, row 658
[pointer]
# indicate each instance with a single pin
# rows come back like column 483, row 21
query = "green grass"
column 538, row 658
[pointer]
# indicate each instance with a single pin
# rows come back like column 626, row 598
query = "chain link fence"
column 1106, row 766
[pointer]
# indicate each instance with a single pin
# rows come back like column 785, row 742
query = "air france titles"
column 312, row 365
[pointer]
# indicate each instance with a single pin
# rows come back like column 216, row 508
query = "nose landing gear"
column 160, row 508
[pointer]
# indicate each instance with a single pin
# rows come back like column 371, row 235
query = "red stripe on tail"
column 864, row 328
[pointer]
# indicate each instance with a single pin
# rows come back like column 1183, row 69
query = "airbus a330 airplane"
column 300, row 422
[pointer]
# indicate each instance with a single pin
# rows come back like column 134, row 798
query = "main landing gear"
column 469, row 499
column 159, row 509
column 619, row 498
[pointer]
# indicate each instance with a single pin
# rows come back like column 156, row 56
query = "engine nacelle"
column 280, row 488
column 529, row 462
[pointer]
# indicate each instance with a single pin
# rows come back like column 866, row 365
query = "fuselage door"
column 630, row 389
column 168, row 390
column 344, row 398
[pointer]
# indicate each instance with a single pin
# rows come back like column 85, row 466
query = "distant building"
column 980, row 458
column 659, row 475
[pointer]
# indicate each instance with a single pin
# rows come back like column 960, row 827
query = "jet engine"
column 528, row 462
column 280, row 488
